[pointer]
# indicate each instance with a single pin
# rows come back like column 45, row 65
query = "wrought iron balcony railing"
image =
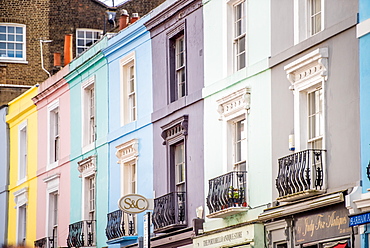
column 301, row 174
column 120, row 224
column 81, row 234
column 169, row 212
column 40, row 243
column 227, row 191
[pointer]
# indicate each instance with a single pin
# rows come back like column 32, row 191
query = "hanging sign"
column 133, row 203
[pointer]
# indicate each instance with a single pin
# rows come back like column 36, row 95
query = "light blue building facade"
column 88, row 82
column 4, row 171
column 130, row 142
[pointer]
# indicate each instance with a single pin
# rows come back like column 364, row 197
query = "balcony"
column 119, row 225
column 301, row 175
column 227, row 194
column 81, row 234
column 169, row 212
column 40, row 243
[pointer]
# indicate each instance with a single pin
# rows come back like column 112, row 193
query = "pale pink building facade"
column 53, row 171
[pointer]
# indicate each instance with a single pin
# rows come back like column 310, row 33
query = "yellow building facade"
column 22, row 121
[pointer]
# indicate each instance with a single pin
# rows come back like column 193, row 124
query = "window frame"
column 175, row 69
column 21, row 201
column 175, row 133
column 89, row 127
column 307, row 74
column 84, row 47
column 52, row 217
column 22, row 152
column 128, row 98
column 235, row 142
column 311, row 17
column 53, row 134
column 238, row 37
column 87, row 168
column 23, row 59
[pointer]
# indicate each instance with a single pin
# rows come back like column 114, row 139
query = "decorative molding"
column 175, row 128
column 233, row 103
column 290, row 209
column 21, row 197
column 312, row 66
column 127, row 151
column 87, row 166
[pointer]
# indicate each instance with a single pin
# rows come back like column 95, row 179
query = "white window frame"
column 302, row 20
column 96, row 35
column 128, row 99
column 89, row 131
column 311, row 17
column 22, row 152
column 127, row 154
column 235, row 142
column 306, row 75
column 87, row 168
column 180, row 66
column 52, row 190
column 53, row 135
column 21, row 201
column 7, row 43
column 180, row 166
column 232, row 109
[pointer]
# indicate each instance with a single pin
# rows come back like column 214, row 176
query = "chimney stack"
column 134, row 17
column 123, row 20
column 68, row 55
column 57, row 59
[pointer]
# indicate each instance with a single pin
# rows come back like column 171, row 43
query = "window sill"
column 87, row 148
column 20, row 181
column 13, row 61
column 52, row 165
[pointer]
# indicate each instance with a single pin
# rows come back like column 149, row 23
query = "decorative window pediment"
column 21, row 196
column 174, row 129
column 127, row 151
column 309, row 69
column 87, row 166
column 233, row 103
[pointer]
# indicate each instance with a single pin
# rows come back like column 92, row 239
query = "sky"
column 111, row 2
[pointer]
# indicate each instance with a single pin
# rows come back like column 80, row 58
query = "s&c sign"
column 133, row 203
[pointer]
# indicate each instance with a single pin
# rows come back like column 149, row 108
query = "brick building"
column 23, row 23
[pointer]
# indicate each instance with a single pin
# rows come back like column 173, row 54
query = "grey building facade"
column 4, row 172
column 315, row 101
column 176, row 30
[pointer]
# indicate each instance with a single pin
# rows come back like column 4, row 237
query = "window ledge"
column 13, row 61
column 87, row 148
column 20, row 181
column 227, row 212
column 121, row 239
column 52, row 165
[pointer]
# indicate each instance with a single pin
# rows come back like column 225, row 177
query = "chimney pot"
column 68, row 49
column 134, row 17
column 123, row 20
column 57, row 59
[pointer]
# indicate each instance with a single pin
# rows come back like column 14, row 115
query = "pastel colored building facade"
column 237, row 121
column 4, row 170
column 53, row 180
column 130, row 137
column 361, row 202
column 23, row 133
column 315, row 124
column 88, row 92
column 176, row 29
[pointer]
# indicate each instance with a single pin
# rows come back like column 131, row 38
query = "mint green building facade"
column 88, row 79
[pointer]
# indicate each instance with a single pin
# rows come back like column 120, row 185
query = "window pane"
column 80, row 34
column 89, row 35
column 2, row 37
column 2, row 29
column 19, row 46
column 11, row 29
column 18, row 54
column 11, row 37
column 10, row 45
column 2, row 45
column 19, row 30
column 19, row 38
column 11, row 54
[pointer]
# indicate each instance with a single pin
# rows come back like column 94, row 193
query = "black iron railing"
column 40, row 243
column 169, row 210
column 301, row 171
column 120, row 224
column 81, row 234
column 226, row 191
column 53, row 239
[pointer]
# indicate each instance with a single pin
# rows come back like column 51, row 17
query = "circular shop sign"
column 133, row 203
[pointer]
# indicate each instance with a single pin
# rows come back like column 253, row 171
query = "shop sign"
column 237, row 236
column 359, row 219
column 133, row 203
column 328, row 223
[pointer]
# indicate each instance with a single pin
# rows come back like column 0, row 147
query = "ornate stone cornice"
column 87, row 165
column 127, row 151
column 233, row 103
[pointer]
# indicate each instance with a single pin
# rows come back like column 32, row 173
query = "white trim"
column 21, row 127
column 24, row 43
column 85, row 129
column 363, row 28
column 50, row 108
column 129, row 58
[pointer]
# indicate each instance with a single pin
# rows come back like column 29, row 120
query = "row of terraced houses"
column 239, row 123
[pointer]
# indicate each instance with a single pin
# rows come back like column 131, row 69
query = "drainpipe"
column 42, row 55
